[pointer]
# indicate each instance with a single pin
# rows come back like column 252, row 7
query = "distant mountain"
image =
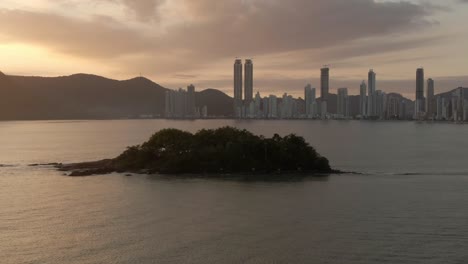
column 218, row 103
column 448, row 95
column 85, row 96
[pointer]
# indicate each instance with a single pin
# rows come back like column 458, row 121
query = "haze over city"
column 178, row 42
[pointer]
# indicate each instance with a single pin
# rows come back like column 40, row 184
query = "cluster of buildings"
column 180, row 104
column 451, row 107
column 270, row 107
column 376, row 104
column 371, row 103
column 454, row 108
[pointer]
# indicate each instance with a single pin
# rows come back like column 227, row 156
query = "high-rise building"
column 420, row 83
column 403, row 112
column 371, row 97
column 458, row 100
column 324, row 91
column 250, row 109
column 430, row 99
column 445, row 109
column 363, row 99
column 380, row 104
column 440, row 106
column 191, row 101
column 273, row 107
column 323, row 110
column 238, row 88
column 265, row 107
column 419, row 106
column 176, row 104
column 314, row 109
column 248, row 81
column 465, row 110
column 307, row 91
column 310, row 101
column 393, row 108
column 324, row 83
column 343, row 102
column 287, row 106
column 258, row 104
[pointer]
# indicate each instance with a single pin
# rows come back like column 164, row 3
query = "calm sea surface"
column 409, row 206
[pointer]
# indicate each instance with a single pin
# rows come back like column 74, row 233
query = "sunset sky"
column 178, row 42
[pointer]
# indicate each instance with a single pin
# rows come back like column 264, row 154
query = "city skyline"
column 372, row 103
column 148, row 39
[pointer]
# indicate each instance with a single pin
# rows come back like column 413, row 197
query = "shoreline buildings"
column 324, row 91
column 363, row 100
column 370, row 103
column 419, row 104
column 310, row 102
column 371, row 96
column 430, row 100
column 243, row 106
column 248, row 81
column 238, row 105
column 180, row 104
column 343, row 103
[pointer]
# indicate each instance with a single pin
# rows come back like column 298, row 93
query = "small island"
column 219, row 151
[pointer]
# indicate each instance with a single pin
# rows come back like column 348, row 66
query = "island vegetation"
column 220, row 151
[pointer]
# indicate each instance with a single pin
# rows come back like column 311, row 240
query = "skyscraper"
column 380, row 104
column 440, row 106
column 176, row 104
column 258, row 105
column 343, row 102
column 363, row 99
column 191, row 101
column 420, row 83
column 458, row 104
column 310, row 104
column 248, row 81
column 287, row 106
column 307, row 91
column 419, row 103
column 371, row 98
column 324, row 91
column 430, row 100
column 324, row 83
column 273, row 107
column 265, row 107
column 238, row 88
column 393, row 107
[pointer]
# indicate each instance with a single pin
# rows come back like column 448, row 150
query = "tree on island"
column 213, row 151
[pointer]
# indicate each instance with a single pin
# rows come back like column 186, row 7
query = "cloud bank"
column 184, row 37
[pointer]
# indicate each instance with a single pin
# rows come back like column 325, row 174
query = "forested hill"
column 85, row 96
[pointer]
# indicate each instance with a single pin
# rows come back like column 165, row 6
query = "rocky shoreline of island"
column 103, row 167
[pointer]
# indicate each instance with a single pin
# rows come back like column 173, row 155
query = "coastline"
column 103, row 167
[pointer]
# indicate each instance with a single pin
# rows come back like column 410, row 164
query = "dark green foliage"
column 223, row 150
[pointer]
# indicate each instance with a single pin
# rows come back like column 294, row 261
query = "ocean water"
column 408, row 206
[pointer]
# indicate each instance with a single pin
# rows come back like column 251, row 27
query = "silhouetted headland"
column 221, row 151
